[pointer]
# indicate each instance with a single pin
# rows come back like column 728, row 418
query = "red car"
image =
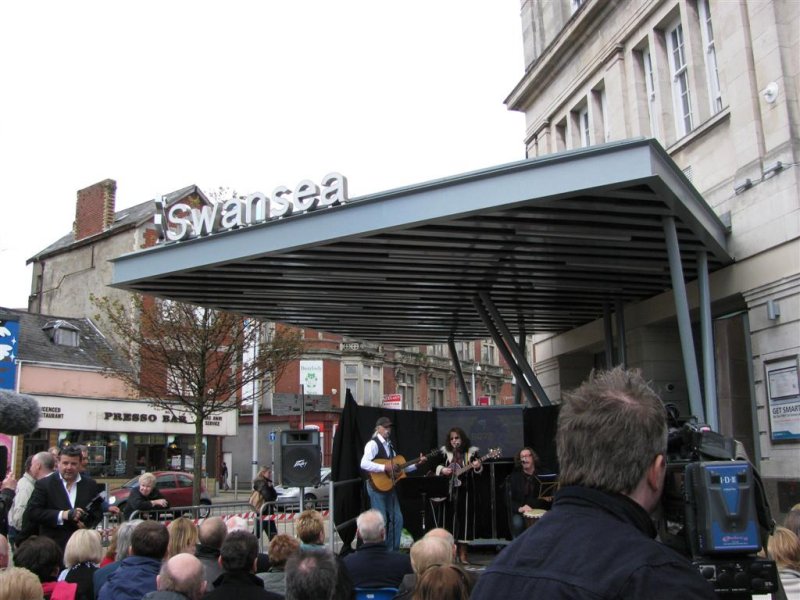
column 175, row 486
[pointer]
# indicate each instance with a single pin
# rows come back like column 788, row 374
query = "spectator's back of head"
column 124, row 534
column 150, row 540
column 610, row 429
column 183, row 574
column 17, row 583
column 371, row 528
column 182, row 536
column 281, row 547
column 311, row 575
column 41, row 556
column 442, row 533
column 792, row 521
column 84, row 545
column 4, row 551
column 443, row 582
column 310, row 527
column 212, row 532
column 784, row 548
column 239, row 552
column 46, row 460
column 430, row 551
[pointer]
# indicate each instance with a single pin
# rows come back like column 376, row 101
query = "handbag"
column 256, row 500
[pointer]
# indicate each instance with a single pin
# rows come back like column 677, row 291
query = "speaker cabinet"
column 300, row 458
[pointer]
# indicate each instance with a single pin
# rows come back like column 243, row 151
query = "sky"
column 244, row 95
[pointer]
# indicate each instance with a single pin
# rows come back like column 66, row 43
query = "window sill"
column 700, row 131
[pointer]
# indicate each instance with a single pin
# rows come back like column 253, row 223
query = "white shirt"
column 371, row 451
column 72, row 494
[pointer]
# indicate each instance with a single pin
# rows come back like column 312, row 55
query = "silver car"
column 313, row 496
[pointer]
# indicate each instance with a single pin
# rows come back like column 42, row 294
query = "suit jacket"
column 49, row 498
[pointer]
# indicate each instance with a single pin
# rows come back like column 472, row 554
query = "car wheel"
column 309, row 501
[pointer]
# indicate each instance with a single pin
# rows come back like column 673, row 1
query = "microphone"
column 19, row 413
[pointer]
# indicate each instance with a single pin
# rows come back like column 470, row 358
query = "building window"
column 436, row 389
column 490, row 390
column 712, row 72
column 438, row 350
column 650, row 88
column 488, row 352
column 364, row 381
column 679, row 73
column 405, row 387
column 466, row 350
column 584, row 130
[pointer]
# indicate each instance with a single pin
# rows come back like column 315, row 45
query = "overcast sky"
column 244, row 95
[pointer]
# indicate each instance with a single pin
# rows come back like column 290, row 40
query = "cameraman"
column 598, row 540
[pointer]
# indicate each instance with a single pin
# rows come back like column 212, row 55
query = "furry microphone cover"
column 19, row 413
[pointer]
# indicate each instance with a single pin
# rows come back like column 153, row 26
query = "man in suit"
column 373, row 565
column 66, row 501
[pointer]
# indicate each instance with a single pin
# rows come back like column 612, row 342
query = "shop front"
column 126, row 438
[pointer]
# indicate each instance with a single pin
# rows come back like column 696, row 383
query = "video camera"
column 714, row 510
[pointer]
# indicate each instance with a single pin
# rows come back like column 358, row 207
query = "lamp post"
column 476, row 368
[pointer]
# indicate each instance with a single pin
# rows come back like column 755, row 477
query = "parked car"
column 175, row 486
column 313, row 496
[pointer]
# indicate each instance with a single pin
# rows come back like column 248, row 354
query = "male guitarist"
column 461, row 457
column 379, row 447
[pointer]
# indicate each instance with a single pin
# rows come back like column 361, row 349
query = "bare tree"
column 191, row 361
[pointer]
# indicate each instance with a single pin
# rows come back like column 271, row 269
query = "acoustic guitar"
column 383, row 482
column 459, row 471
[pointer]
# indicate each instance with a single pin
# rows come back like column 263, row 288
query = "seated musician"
column 525, row 490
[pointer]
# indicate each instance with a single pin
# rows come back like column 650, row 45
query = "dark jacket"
column 210, row 558
column 6, row 498
column 374, row 565
column 82, row 575
column 165, row 595
column 135, row 577
column 240, row 586
column 141, row 503
column 102, row 574
column 591, row 545
column 50, row 498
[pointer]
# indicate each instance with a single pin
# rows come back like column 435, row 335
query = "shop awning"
column 552, row 241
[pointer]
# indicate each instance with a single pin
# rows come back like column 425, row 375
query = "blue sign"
column 272, row 436
column 9, row 340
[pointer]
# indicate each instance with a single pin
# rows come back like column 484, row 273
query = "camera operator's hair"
column 609, row 431
column 239, row 551
column 311, row 575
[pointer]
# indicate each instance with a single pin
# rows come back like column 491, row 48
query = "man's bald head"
column 442, row 533
column 212, row 532
column 184, row 574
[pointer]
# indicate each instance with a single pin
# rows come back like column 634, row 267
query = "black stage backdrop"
column 415, row 432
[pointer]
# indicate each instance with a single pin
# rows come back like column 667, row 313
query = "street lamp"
column 475, row 368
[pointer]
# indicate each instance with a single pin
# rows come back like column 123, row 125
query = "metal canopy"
column 550, row 240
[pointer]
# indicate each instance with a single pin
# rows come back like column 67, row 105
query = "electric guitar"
column 383, row 482
column 459, row 471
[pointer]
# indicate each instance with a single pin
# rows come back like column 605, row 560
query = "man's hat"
column 383, row 422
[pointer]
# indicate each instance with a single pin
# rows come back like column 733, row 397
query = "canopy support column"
column 684, row 322
column 707, row 337
column 511, row 352
column 462, row 385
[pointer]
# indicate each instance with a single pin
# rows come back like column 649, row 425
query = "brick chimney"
column 94, row 211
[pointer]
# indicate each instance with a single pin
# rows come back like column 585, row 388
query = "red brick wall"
column 94, row 210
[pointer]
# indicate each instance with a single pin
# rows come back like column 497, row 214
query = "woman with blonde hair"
column 784, row 548
column 144, row 497
column 83, row 553
column 182, row 537
column 17, row 583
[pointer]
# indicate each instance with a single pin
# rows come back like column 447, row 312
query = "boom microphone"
column 19, row 413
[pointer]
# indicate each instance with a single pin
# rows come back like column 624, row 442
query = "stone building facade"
column 716, row 84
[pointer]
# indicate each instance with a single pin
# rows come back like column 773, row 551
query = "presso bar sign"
column 180, row 221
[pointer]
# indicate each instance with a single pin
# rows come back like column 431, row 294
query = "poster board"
column 783, row 398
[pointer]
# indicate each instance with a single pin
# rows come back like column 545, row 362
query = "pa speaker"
column 300, row 458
